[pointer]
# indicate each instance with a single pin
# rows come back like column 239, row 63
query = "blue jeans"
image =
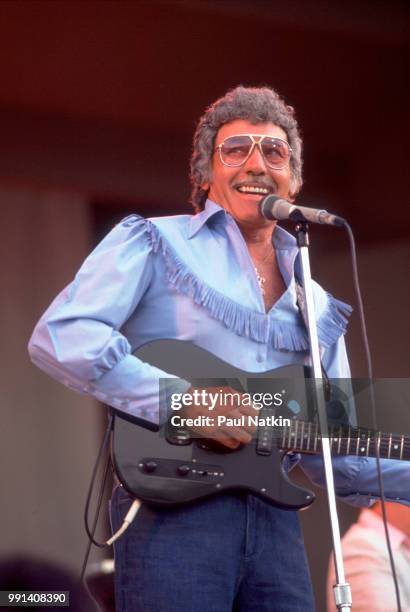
column 230, row 553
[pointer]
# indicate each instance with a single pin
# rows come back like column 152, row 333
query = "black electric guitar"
column 169, row 466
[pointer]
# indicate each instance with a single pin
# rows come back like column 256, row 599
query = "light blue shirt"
column 190, row 277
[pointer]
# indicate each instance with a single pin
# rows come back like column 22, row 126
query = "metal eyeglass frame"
column 254, row 143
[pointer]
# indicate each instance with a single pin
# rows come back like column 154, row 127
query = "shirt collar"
column 281, row 238
column 197, row 221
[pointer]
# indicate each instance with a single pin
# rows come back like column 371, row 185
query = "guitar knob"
column 183, row 470
column 150, row 466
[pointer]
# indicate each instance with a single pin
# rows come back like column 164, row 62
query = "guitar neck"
column 305, row 437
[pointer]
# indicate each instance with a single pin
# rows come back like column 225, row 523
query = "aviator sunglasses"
column 236, row 150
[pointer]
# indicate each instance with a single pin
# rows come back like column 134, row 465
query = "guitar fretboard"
column 304, row 437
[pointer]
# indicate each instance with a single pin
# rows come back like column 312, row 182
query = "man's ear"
column 205, row 186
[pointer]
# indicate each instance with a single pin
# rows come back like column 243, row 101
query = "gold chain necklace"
column 261, row 280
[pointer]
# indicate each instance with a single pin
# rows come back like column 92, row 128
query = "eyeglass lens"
column 235, row 149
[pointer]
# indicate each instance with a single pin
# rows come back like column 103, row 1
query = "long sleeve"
column 78, row 340
column 356, row 478
column 356, row 481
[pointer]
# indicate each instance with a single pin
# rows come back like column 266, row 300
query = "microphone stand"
column 341, row 590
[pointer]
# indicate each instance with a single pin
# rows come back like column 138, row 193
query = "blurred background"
column 98, row 104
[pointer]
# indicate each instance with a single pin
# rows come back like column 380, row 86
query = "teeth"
column 252, row 189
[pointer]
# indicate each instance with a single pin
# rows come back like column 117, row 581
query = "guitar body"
column 158, row 472
column 168, row 467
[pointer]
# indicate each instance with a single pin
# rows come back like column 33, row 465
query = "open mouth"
column 254, row 189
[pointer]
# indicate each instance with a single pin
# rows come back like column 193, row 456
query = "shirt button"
column 259, row 358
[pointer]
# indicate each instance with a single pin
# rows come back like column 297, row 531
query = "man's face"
column 227, row 182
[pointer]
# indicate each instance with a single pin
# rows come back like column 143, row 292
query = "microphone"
column 278, row 209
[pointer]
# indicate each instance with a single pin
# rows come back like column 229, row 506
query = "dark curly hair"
column 255, row 104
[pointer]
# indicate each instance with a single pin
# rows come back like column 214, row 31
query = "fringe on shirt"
column 244, row 321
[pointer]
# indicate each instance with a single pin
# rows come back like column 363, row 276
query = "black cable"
column 90, row 533
column 103, row 446
column 90, row 542
column 372, row 402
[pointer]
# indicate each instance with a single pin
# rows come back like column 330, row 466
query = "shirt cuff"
column 138, row 388
column 356, row 480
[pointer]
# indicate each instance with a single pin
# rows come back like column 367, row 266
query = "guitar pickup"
column 179, row 436
column 264, row 443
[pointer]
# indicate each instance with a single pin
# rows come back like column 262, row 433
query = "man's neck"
column 256, row 237
column 262, row 253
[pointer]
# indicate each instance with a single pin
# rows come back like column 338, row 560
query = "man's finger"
column 246, row 423
column 225, row 439
column 237, row 433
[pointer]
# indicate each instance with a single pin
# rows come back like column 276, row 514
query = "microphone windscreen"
column 267, row 204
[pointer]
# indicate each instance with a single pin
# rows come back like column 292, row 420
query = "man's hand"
column 228, row 435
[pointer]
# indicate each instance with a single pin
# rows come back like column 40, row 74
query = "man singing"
column 223, row 279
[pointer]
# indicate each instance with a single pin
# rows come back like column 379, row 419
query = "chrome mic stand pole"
column 341, row 590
